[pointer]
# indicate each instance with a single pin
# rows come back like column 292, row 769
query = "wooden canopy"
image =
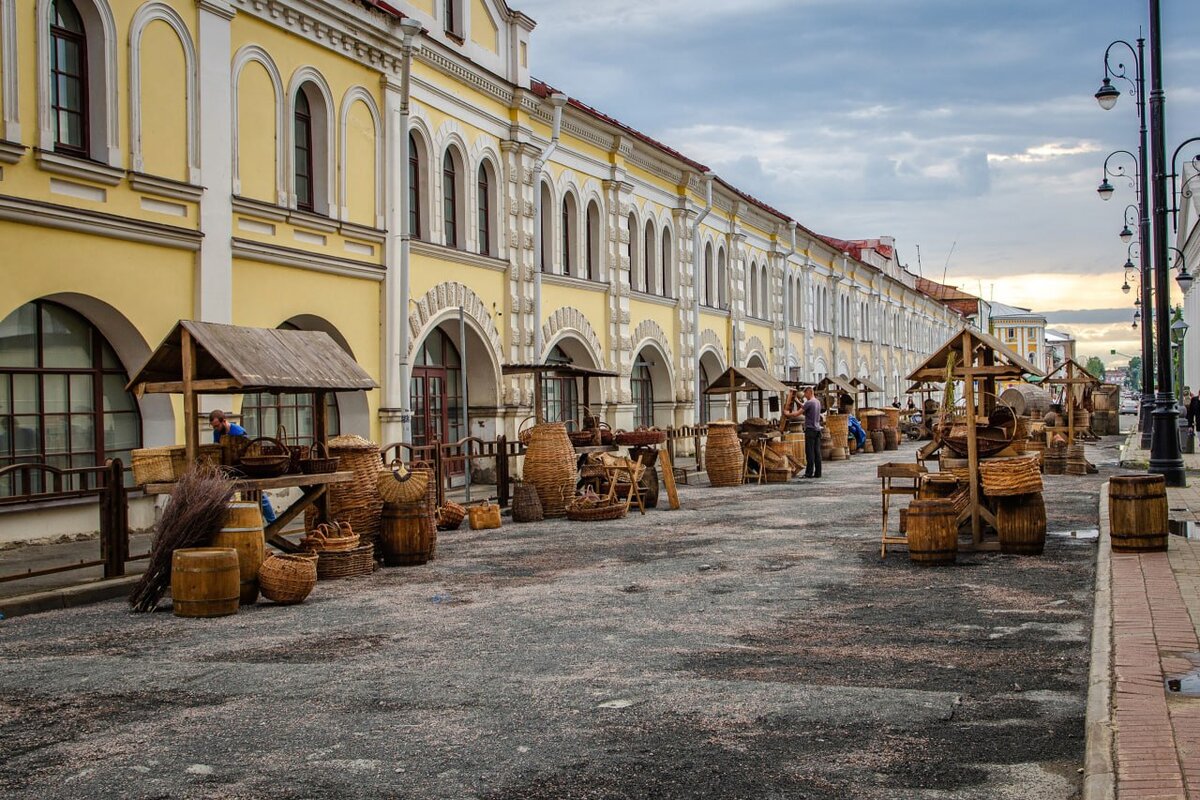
column 232, row 359
column 745, row 379
column 1071, row 372
column 838, row 382
column 866, row 385
column 1006, row 364
column 558, row 370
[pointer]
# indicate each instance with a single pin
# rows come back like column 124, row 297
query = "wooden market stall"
column 564, row 370
column 750, row 380
column 977, row 360
column 866, row 387
column 208, row 358
column 834, row 386
column 1076, row 382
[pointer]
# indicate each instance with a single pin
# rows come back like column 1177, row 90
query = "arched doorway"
column 435, row 391
column 650, row 388
column 711, row 406
column 62, row 393
column 560, row 396
column 753, row 408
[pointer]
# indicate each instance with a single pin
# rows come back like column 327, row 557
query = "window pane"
column 18, row 338
column 115, row 396
column 66, row 339
column 25, row 394
column 121, row 432
column 5, row 399
column 83, row 433
column 54, row 393
column 56, row 433
column 82, row 388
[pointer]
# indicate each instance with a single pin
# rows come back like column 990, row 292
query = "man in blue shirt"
column 223, row 427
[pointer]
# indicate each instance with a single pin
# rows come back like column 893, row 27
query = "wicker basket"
column 287, row 579
column 313, row 464
column 1005, row 477
column 839, row 428
column 152, row 465
column 357, row 501
column 550, row 466
column 335, row 538
column 723, row 454
column 264, row 457
column 642, row 437
column 525, row 430
column 893, row 418
column 402, row 487
column 526, row 505
column 450, row 516
column 346, row 564
column 590, row 508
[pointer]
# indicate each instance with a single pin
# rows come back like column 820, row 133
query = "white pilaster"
column 214, row 272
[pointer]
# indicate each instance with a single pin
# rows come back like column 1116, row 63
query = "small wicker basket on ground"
column 287, row 579
column 346, row 564
column 526, row 504
column 450, row 516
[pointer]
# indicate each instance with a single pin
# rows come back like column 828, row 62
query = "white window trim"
column 244, row 56
column 8, row 65
column 300, row 77
column 144, row 16
column 112, row 127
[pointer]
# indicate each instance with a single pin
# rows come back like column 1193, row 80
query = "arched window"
column 69, row 79
column 707, row 277
column 752, row 294
column 450, row 199
column 592, row 245
column 636, row 276
column 62, row 395
column 303, row 156
column 642, row 390
column 763, row 285
column 484, row 211
column 650, row 255
column 722, row 280
column 414, row 188
column 667, row 285
column 546, row 227
column 705, row 398
column 569, row 233
column 560, row 396
column 289, row 413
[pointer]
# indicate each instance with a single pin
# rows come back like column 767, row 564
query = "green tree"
column 1133, row 376
column 1095, row 366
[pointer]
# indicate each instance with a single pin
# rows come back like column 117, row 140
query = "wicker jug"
column 550, row 466
column 724, row 454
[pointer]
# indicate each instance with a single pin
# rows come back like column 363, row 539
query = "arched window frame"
column 486, row 226
column 546, row 228
column 593, row 262
column 320, row 102
column 418, row 185
column 452, row 199
column 722, row 279
column 707, row 276
column 764, row 306
column 650, row 257
column 752, row 291
column 569, row 234
column 667, row 264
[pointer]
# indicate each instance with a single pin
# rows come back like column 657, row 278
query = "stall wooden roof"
column 1008, row 366
column 866, row 384
column 1059, row 375
column 745, row 379
column 561, row 370
column 232, row 359
column 837, row 382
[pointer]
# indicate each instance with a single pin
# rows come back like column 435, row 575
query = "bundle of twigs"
column 194, row 514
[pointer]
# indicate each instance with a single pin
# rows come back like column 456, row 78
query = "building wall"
column 189, row 209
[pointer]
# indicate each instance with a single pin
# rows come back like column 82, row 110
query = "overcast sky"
column 966, row 127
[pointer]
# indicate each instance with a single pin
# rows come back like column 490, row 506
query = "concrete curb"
column 67, row 597
column 1099, row 772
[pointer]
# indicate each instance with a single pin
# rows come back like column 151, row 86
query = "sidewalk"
column 1144, row 712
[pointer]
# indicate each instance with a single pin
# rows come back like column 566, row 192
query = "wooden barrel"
column 1076, row 460
column 826, row 444
column 794, row 441
column 868, row 445
column 932, row 532
column 878, row 439
column 891, row 439
column 837, row 454
column 1137, row 513
column 1021, row 524
column 204, row 581
column 875, row 421
column 1026, row 400
column 723, row 457
column 243, row 532
column 406, row 534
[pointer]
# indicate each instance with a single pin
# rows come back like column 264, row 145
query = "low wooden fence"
column 32, row 483
column 452, row 458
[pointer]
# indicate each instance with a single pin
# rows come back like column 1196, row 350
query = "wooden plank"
column 176, row 387
column 668, row 469
column 190, row 423
column 259, row 484
column 274, row 531
column 972, row 443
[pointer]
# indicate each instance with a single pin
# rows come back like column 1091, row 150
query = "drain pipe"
column 557, row 100
column 708, row 182
column 410, row 28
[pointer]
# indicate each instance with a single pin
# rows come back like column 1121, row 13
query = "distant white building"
column 1060, row 346
column 1188, row 242
column 1020, row 329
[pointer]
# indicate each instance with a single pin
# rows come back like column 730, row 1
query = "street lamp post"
column 1107, row 97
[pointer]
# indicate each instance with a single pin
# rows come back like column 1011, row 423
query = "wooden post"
column 502, row 471
column 320, row 434
column 114, row 520
column 972, row 444
column 537, row 398
column 1070, row 393
column 733, row 397
column 190, row 422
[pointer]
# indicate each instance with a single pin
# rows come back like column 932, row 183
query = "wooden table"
column 314, row 490
column 887, row 474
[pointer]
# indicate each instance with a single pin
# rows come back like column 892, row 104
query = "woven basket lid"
column 722, row 423
column 351, row 441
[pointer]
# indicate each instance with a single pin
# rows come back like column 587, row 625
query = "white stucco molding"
column 359, row 94
column 254, row 53
column 569, row 320
column 10, row 113
column 449, row 296
column 148, row 13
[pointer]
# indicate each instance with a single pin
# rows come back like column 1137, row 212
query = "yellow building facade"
column 384, row 173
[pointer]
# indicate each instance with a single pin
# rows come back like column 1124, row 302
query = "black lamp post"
column 1107, row 97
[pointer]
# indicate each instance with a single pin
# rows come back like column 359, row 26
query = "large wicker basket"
column 550, row 466
column 348, row 564
column 723, row 454
column 287, row 579
column 839, row 428
column 1005, row 477
column 357, row 502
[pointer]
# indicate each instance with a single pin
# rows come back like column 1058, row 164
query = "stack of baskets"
column 642, row 437
column 723, row 455
column 1015, row 484
column 357, row 502
column 838, row 426
column 340, row 553
column 408, row 534
column 550, row 466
